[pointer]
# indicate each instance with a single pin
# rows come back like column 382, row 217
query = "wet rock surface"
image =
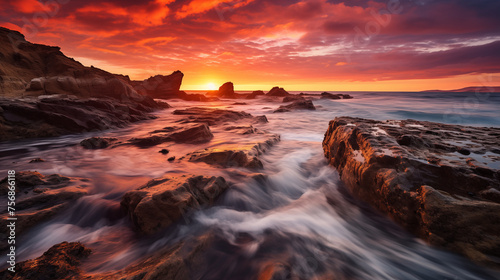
column 61, row 261
column 55, row 116
column 242, row 156
column 189, row 134
column 296, row 105
column 97, row 142
column 38, row 198
column 439, row 181
column 215, row 116
column 163, row 201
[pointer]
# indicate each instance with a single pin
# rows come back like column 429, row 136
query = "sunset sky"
column 390, row 45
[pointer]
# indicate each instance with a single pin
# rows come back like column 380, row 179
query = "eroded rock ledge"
column 439, row 181
column 163, row 201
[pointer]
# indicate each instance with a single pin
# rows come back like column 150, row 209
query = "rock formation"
column 163, row 201
column 160, row 86
column 439, row 181
column 227, row 91
column 189, row 134
column 215, row 116
column 327, row 95
column 277, row 91
column 79, row 98
column 247, row 157
column 55, row 116
column 296, row 105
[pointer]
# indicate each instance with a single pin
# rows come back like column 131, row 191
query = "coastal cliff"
column 438, row 181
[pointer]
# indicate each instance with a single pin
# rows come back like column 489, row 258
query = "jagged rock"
column 277, row 91
column 36, row 160
column 61, row 261
column 412, row 171
column 81, row 98
column 291, row 98
column 38, row 198
column 227, row 91
column 160, row 86
column 97, row 142
column 191, row 134
column 296, row 105
column 162, row 201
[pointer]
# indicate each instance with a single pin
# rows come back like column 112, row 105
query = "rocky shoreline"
column 441, row 182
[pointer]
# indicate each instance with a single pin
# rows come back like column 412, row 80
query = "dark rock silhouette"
column 162, row 87
column 277, row 91
column 296, row 105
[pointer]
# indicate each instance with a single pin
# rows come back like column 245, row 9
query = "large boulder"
column 277, row 91
column 439, row 181
column 163, row 201
column 227, row 91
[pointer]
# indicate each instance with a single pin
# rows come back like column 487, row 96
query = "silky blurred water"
column 296, row 213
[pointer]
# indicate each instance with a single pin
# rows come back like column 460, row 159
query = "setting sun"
column 211, row 86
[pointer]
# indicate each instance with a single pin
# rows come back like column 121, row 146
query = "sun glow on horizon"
column 211, row 86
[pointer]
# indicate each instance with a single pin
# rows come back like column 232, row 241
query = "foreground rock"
column 61, row 261
column 277, row 91
column 296, row 105
column 38, row 198
column 163, row 201
column 216, row 116
column 441, row 182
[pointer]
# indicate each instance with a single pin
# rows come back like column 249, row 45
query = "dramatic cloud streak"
column 256, row 43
